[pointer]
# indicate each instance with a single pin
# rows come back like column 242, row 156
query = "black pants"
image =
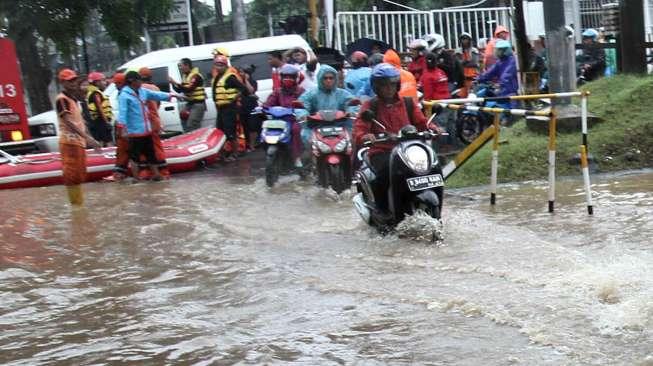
column 381, row 165
column 226, row 121
column 142, row 146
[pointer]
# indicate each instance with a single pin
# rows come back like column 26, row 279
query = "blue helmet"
column 591, row 33
column 384, row 73
column 502, row 49
column 289, row 69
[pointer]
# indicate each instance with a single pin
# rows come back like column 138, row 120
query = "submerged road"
column 213, row 268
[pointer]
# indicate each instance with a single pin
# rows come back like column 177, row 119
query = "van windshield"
column 259, row 60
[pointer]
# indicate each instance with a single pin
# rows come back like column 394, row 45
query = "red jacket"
column 393, row 116
column 435, row 84
column 417, row 67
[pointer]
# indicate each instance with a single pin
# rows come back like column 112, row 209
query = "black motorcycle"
column 416, row 181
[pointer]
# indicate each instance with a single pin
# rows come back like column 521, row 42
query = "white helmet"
column 435, row 41
column 418, row 44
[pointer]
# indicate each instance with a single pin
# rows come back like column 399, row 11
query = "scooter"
column 276, row 135
column 331, row 149
column 470, row 124
column 415, row 179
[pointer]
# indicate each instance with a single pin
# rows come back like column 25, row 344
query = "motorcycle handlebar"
column 384, row 137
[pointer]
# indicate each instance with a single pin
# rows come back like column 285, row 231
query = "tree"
column 238, row 20
column 34, row 24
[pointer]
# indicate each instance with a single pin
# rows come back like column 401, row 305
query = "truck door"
column 13, row 117
column 168, row 111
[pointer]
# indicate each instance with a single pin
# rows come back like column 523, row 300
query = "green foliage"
column 124, row 19
column 624, row 140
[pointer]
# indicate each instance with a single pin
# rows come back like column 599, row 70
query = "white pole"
column 148, row 40
column 552, row 161
column 495, row 161
column 190, row 24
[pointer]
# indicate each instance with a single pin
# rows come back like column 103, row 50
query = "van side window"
column 160, row 78
column 205, row 67
column 260, row 60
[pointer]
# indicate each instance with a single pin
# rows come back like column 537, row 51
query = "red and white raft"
column 183, row 153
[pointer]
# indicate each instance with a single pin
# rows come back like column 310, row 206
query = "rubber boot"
column 75, row 195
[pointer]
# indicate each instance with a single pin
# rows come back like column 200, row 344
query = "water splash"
column 421, row 227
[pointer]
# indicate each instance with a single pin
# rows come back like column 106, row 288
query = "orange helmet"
column 95, row 76
column 119, row 78
column 145, row 72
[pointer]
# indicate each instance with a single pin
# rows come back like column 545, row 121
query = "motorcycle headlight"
column 417, row 159
column 341, row 146
column 324, row 148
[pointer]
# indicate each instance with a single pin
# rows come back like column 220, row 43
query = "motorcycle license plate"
column 425, row 182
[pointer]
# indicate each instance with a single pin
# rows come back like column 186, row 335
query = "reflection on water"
column 215, row 268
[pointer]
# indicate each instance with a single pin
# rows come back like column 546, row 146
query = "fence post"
column 495, row 160
column 552, row 159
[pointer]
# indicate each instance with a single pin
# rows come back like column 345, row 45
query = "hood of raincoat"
column 391, row 57
column 326, row 69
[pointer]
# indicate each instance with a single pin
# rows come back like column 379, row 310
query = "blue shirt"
column 132, row 110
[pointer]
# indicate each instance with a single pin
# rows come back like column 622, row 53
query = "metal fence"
column 398, row 28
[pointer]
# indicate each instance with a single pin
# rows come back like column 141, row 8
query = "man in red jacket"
column 391, row 111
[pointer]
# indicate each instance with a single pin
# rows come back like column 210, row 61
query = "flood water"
column 213, row 268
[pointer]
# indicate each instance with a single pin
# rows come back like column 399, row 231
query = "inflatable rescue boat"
column 183, row 153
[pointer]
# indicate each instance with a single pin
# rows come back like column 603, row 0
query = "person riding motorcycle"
column 591, row 62
column 446, row 61
column 283, row 97
column 392, row 112
column 504, row 71
column 325, row 96
column 469, row 57
column 417, row 52
column 359, row 76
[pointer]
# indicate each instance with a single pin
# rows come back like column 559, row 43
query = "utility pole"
column 238, row 21
column 521, row 40
column 633, row 53
column 560, row 48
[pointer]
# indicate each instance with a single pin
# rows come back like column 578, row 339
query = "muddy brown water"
column 213, row 268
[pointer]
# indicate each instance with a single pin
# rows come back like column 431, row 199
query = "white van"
column 163, row 63
column 243, row 53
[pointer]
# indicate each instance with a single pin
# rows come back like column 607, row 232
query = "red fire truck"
column 13, row 118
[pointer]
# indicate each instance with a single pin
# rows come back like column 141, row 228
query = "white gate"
column 398, row 28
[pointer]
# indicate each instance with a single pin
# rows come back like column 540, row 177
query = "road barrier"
column 494, row 132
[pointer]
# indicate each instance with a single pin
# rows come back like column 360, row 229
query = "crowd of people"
column 86, row 118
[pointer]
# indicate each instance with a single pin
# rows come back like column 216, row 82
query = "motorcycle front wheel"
column 469, row 128
column 337, row 179
column 271, row 169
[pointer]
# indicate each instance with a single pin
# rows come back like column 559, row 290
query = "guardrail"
column 399, row 28
column 493, row 131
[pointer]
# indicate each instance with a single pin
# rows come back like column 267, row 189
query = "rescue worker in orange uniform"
column 155, row 120
column 99, row 109
column 408, row 86
column 73, row 136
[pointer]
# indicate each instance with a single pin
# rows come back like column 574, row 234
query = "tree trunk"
column 238, row 21
column 36, row 76
column 218, row 14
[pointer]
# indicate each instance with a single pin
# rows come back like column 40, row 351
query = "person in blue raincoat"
column 504, row 71
column 325, row 96
column 358, row 77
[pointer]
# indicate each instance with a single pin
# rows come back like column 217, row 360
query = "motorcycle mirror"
column 354, row 102
column 297, row 104
column 368, row 116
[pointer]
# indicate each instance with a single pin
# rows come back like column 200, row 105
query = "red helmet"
column 220, row 59
column 119, row 78
column 95, row 76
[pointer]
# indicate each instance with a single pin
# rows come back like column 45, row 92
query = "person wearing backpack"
column 392, row 112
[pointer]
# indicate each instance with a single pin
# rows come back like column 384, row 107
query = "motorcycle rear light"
column 341, row 146
column 16, row 136
column 324, row 148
